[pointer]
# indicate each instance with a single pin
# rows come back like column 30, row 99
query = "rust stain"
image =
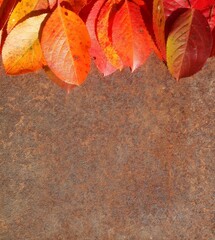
column 126, row 157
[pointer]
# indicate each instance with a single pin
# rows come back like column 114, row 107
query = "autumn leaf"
column 75, row 5
column 0, row 36
column 103, row 29
column 149, row 4
column 139, row 2
column 172, row 5
column 21, row 52
column 159, row 21
column 5, row 11
column 65, row 44
column 78, row 5
column 202, row 4
column 23, row 8
column 52, row 3
column 189, row 44
column 96, row 51
column 163, row 19
column 209, row 13
column 129, row 35
column 122, row 33
column 213, row 47
column 175, row 8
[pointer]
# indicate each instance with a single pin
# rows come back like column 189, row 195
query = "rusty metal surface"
column 128, row 157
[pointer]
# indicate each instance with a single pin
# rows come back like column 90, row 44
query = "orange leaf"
column 23, row 8
column 21, row 52
column 159, row 26
column 130, row 36
column 189, row 44
column 65, row 43
column 103, row 28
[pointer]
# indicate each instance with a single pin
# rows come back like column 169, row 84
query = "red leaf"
column 164, row 14
column 96, row 51
column 139, row 2
column 209, row 13
column 77, row 5
column 202, row 4
column 189, row 44
column 65, row 44
column 172, row 5
column 129, row 35
column 213, row 48
column 103, row 29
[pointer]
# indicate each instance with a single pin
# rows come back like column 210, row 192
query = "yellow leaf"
column 23, row 8
column 21, row 52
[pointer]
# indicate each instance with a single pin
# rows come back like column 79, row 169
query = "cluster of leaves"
column 63, row 36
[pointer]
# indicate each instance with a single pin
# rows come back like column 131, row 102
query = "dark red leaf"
column 189, row 44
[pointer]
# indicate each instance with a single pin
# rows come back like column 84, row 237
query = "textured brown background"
column 128, row 157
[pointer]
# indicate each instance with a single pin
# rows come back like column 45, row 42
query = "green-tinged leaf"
column 189, row 44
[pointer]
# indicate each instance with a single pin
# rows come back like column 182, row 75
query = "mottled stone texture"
column 127, row 157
